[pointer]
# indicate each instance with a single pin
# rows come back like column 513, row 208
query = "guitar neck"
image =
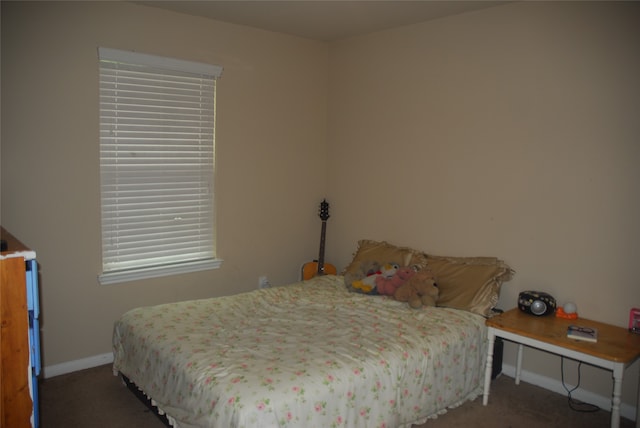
column 321, row 255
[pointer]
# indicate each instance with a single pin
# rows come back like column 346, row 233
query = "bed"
column 309, row 354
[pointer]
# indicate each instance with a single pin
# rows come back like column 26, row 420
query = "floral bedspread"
column 310, row 354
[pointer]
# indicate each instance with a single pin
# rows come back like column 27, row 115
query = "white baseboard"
column 77, row 365
column 626, row 410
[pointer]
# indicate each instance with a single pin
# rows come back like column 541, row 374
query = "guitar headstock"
column 323, row 212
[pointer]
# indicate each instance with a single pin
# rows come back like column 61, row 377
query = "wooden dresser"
column 19, row 334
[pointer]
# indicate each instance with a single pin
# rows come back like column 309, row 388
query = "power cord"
column 576, row 405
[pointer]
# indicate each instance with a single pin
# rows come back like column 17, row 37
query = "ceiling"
column 324, row 20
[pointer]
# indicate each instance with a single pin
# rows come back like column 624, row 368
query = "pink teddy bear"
column 388, row 286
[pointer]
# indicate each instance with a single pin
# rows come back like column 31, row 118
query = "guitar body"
column 319, row 267
column 310, row 270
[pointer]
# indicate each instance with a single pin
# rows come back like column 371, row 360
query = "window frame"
column 127, row 269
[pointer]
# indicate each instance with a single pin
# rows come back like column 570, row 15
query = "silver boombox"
column 536, row 303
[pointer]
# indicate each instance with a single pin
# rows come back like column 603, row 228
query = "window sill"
column 157, row 271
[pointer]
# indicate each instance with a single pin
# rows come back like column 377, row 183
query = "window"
column 157, row 160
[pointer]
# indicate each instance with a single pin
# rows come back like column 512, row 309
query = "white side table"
column 615, row 350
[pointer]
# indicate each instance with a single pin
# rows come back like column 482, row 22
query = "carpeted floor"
column 95, row 398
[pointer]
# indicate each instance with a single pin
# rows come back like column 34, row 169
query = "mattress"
column 309, row 354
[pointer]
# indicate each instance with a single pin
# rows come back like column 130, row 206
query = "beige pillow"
column 469, row 283
column 381, row 252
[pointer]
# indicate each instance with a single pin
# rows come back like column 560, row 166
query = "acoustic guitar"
column 319, row 267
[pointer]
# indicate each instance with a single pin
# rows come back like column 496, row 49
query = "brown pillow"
column 469, row 283
column 381, row 252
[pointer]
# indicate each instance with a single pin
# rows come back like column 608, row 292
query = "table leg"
column 638, row 407
column 618, row 370
column 519, row 363
column 489, row 367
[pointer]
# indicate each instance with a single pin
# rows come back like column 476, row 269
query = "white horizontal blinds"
column 157, row 120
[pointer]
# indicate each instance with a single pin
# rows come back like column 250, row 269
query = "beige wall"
column 509, row 132
column 270, row 149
